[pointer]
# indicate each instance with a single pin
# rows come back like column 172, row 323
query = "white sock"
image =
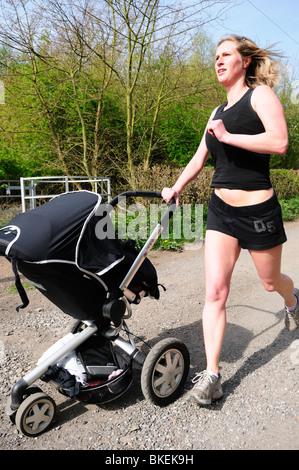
column 213, row 373
column 290, row 309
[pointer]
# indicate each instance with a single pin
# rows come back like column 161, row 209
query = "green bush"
column 160, row 176
column 285, row 183
column 290, row 208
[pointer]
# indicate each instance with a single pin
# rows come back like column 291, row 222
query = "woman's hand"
column 169, row 193
column 217, row 129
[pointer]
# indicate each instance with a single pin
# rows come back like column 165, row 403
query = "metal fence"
column 27, row 193
column 61, row 184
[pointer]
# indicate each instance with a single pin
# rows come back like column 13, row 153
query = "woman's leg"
column 221, row 254
column 268, row 265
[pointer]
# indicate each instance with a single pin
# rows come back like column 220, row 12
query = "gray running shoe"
column 207, row 388
column 292, row 318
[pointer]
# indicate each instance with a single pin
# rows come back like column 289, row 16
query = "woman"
column 243, row 211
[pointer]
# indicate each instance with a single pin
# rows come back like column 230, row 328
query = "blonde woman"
column 244, row 211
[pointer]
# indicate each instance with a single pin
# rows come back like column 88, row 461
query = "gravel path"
column 260, row 363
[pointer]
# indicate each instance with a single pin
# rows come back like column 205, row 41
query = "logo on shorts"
column 261, row 226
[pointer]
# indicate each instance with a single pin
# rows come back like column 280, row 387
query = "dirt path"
column 260, row 363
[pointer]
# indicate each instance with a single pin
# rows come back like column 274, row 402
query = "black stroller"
column 67, row 248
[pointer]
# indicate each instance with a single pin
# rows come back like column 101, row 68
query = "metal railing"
column 20, row 195
column 99, row 185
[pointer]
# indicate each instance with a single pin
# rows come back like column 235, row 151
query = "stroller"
column 67, row 248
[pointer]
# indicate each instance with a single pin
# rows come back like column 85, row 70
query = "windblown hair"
column 264, row 65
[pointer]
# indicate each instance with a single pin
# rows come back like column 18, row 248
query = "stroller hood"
column 64, row 230
column 68, row 249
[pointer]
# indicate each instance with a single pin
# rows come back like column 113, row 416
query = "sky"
column 265, row 22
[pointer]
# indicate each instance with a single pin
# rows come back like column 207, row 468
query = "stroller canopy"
column 64, row 244
column 65, row 230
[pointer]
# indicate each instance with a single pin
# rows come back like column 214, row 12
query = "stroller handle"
column 146, row 194
column 149, row 195
column 162, row 224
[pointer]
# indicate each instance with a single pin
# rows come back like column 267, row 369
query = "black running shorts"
column 257, row 227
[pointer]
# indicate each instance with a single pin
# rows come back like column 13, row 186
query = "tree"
column 153, row 34
column 60, row 72
column 285, row 91
column 77, row 58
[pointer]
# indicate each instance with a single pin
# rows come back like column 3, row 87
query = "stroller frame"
column 171, row 354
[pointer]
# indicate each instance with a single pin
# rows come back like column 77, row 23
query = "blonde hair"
column 263, row 68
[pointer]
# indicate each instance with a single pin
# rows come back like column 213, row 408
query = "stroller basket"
column 97, row 372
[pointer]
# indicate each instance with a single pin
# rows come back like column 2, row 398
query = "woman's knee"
column 216, row 293
column 276, row 284
column 269, row 286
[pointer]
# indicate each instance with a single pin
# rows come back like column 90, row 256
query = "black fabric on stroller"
column 59, row 249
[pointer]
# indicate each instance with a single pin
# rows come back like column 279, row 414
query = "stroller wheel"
column 35, row 414
column 12, row 415
column 165, row 371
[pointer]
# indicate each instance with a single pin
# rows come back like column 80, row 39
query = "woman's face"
column 230, row 66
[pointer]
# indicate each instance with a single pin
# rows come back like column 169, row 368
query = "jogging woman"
column 243, row 211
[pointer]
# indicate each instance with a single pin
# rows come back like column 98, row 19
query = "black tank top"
column 236, row 168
